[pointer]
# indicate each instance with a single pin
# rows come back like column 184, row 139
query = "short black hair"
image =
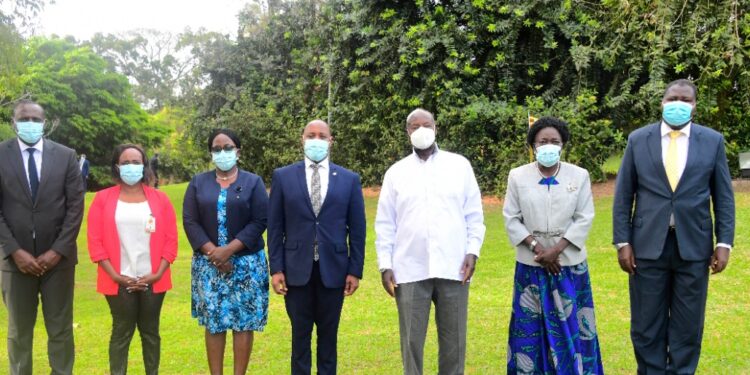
column 25, row 102
column 228, row 132
column 548, row 122
column 117, row 152
column 682, row 82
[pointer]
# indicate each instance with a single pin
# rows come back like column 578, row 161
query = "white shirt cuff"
column 721, row 244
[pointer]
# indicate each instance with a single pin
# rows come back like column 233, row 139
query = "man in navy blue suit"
column 316, row 242
column 672, row 173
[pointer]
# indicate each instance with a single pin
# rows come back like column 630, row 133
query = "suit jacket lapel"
column 332, row 178
column 693, row 151
column 16, row 161
column 302, row 179
column 654, row 150
column 48, row 160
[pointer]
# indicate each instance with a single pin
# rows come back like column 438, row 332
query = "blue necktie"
column 33, row 175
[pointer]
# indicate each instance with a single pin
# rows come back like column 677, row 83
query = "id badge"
column 151, row 224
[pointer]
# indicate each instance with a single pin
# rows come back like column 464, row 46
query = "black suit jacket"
column 53, row 221
column 644, row 200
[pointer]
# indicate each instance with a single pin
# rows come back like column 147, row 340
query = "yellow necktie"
column 671, row 163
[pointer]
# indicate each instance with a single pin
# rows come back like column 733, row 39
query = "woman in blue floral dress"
column 224, row 216
column 548, row 213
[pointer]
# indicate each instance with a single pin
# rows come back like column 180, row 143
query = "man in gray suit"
column 672, row 172
column 41, row 206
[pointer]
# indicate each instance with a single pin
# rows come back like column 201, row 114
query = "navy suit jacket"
column 247, row 207
column 339, row 228
column 644, row 201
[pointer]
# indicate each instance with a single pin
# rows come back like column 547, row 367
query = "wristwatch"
column 533, row 244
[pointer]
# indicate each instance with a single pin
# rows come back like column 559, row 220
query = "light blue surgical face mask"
column 131, row 174
column 316, row 149
column 677, row 114
column 30, row 131
column 225, row 160
column 548, row 155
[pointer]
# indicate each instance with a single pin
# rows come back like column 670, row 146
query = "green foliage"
column 480, row 66
column 5, row 131
column 179, row 157
column 160, row 65
column 89, row 107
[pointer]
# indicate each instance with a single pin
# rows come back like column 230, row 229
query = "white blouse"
column 134, row 226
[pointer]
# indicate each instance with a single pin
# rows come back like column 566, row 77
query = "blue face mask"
column 131, row 174
column 225, row 160
column 548, row 155
column 677, row 114
column 30, row 132
column 316, row 149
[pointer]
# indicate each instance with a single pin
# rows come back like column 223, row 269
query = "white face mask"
column 422, row 138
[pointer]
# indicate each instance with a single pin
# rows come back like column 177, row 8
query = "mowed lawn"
column 368, row 335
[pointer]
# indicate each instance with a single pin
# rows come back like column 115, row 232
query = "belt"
column 557, row 233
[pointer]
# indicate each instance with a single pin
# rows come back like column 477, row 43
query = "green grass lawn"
column 368, row 336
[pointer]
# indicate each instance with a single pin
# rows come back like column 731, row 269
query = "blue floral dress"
column 237, row 300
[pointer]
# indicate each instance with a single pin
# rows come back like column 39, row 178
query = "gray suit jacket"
column 53, row 221
column 644, row 201
column 565, row 211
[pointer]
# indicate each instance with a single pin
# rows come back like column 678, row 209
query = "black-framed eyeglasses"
column 226, row 148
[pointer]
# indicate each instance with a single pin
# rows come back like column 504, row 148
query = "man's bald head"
column 420, row 114
column 317, row 124
column 317, row 129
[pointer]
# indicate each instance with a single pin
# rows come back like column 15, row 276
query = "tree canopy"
column 482, row 66
column 89, row 107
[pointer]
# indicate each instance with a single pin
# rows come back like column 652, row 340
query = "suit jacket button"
column 317, row 223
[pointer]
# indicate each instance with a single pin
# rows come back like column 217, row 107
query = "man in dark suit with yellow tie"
column 316, row 242
column 671, row 175
column 41, row 207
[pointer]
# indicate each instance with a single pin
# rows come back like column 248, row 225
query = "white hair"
column 419, row 112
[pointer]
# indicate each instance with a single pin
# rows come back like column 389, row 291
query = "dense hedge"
column 481, row 66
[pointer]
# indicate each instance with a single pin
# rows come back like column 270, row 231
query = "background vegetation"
column 482, row 66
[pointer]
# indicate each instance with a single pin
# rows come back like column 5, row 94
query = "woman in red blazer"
column 132, row 235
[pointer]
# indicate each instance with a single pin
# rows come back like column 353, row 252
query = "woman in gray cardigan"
column 548, row 212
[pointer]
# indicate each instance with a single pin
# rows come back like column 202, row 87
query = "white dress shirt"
column 135, row 240
column 429, row 217
column 323, row 169
column 39, row 146
column 682, row 147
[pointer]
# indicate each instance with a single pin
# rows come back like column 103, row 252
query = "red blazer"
column 104, row 242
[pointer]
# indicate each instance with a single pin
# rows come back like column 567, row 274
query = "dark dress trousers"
column 50, row 222
column 668, row 290
column 315, row 288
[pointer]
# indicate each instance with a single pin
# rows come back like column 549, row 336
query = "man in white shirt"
column 429, row 228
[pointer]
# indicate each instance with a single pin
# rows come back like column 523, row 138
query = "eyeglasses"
column 546, row 142
column 226, row 148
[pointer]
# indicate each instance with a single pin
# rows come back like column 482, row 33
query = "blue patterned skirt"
column 236, row 301
column 552, row 327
